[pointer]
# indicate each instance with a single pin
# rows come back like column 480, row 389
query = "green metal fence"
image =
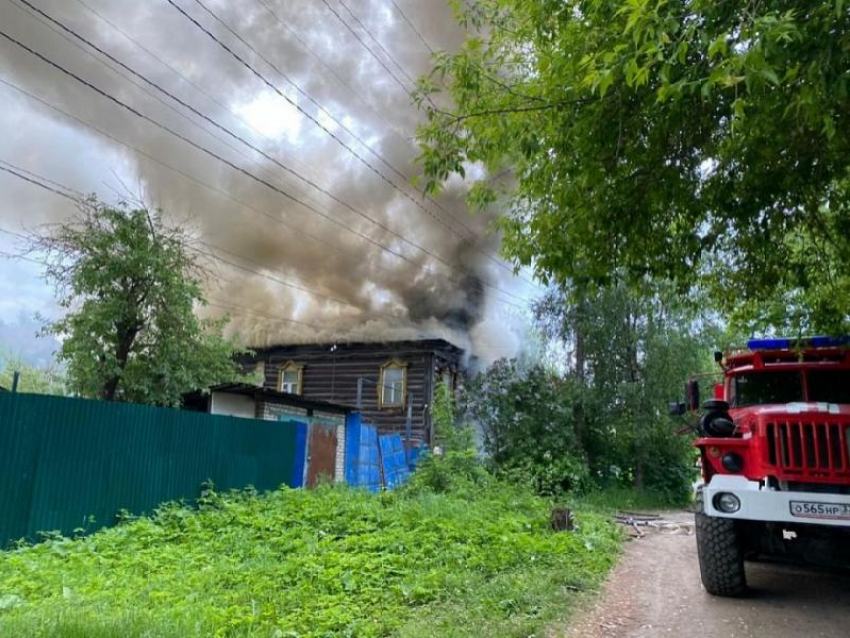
column 67, row 462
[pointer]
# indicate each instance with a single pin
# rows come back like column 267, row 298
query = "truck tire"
column 721, row 556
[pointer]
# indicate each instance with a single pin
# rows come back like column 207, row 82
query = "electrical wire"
column 315, row 121
column 306, row 46
column 412, row 26
column 56, row 191
column 366, row 46
column 141, row 153
column 491, row 257
column 376, row 41
column 47, row 184
column 242, row 139
column 305, row 113
column 218, row 303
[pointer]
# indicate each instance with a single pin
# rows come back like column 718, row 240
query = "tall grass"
column 329, row 562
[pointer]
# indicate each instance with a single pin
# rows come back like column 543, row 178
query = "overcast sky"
column 322, row 119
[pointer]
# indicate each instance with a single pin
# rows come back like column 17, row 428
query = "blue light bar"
column 768, row 344
column 784, row 343
column 828, row 342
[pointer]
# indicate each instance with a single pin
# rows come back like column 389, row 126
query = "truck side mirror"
column 692, row 395
column 677, row 408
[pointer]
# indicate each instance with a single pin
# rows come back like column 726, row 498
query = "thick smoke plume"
column 367, row 293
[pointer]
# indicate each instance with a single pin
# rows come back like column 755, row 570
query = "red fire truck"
column 775, row 459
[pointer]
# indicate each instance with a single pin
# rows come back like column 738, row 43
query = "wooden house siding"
column 332, row 376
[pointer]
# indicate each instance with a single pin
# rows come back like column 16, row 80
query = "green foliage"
column 599, row 417
column 455, row 465
column 701, row 142
column 130, row 285
column 527, row 420
column 329, row 562
column 34, row 380
column 637, row 350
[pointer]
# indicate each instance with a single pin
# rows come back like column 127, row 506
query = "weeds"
column 330, row 562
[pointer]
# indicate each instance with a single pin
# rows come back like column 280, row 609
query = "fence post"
column 15, row 378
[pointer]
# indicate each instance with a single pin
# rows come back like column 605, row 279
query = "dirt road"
column 655, row 591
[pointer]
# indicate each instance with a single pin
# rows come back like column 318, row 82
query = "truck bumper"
column 759, row 504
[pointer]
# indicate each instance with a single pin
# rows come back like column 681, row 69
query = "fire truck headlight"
column 732, row 462
column 727, row 503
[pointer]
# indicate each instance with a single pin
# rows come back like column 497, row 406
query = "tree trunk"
column 126, row 337
column 579, row 319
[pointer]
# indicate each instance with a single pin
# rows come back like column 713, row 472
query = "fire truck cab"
column 775, row 460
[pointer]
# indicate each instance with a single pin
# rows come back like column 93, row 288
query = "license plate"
column 809, row 509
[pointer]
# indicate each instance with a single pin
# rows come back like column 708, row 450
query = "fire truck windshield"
column 786, row 386
column 767, row 387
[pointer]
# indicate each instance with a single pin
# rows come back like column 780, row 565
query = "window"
column 289, row 378
column 761, row 388
column 392, row 384
column 830, row 386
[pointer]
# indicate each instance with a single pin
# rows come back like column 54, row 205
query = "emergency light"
column 784, row 343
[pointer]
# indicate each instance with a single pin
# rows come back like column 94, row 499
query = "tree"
column 130, row 285
column 638, row 350
column 526, row 418
column 701, row 142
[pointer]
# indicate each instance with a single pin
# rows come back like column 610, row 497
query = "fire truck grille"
column 813, row 450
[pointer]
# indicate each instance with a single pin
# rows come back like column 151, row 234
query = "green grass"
column 330, row 562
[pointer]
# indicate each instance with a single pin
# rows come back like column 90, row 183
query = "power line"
column 491, row 257
column 118, row 72
column 300, row 91
column 341, row 143
column 203, row 184
column 200, row 89
column 152, row 84
column 200, row 147
column 412, row 26
column 45, row 183
column 342, row 125
column 407, row 179
column 300, row 109
column 376, row 41
column 258, row 273
column 366, row 46
column 182, row 137
column 177, row 72
column 33, row 181
column 305, row 45
column 241, row 139
column 56, row 191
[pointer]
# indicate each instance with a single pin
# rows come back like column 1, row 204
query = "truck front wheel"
column 721, row 555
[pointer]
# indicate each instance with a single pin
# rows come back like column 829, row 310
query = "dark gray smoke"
column 382, row 296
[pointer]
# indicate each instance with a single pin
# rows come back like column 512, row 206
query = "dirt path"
column 656, row 591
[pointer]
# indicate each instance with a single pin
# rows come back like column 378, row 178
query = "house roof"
column 266, row 394
column 408, row 344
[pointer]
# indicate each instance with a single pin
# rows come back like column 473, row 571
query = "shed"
column 324, row 422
